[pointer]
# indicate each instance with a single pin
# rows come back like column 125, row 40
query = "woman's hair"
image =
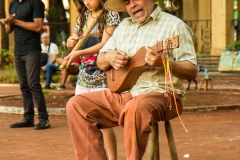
column 81, row 8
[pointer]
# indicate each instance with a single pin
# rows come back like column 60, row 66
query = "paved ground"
column 220, row 85
column 212, row 135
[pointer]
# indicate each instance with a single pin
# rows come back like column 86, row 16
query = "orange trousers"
column 87, row 113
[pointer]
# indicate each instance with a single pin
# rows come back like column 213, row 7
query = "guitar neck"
column 166, row 44
column 124, row 79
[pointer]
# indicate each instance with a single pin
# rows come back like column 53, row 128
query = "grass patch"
column 8, row 75
column 46, row 91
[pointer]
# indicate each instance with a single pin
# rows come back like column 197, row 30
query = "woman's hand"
column 72, row 57
column 72, row 41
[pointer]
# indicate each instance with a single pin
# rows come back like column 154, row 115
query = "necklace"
column 91, row 14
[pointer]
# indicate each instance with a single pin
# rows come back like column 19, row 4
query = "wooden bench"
column 210, row 62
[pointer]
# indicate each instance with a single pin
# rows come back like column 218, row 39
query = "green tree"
column 57, row 20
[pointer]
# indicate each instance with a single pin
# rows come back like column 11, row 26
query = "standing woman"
column 91, row 78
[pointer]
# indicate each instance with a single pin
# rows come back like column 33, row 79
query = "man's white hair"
column 45, row 34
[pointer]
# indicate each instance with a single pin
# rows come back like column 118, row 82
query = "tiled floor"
column 212, row 135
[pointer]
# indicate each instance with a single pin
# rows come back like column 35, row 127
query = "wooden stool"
column 153, row 144
column 206, row 81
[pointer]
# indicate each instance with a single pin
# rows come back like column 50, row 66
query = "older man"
column 153, row 98
column 51, row 49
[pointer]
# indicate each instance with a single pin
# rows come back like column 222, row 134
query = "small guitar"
column 123, row 79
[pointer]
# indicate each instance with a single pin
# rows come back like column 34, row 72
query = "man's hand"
column 43, row 68
column 9, row 20
column 117, row 59
column 153, row 58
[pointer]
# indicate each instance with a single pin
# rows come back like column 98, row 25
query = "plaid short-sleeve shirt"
column 130, row 36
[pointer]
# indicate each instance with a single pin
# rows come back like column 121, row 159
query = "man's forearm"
column 183, row 70
column 35, row 26
column 102, row 61
column 8, row 28
column 54, row 58
column 53, row 61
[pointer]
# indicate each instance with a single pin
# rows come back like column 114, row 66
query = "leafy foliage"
column 8, row 73
column 7, row 56
column 61, row 45
column 57, row 21
column 8, row 76
column 234, row 46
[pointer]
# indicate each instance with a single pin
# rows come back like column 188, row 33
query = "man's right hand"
column 43, row 68
column 117, row 59
column 9, row 20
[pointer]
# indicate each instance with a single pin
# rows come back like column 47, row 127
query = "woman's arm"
column 94, row 49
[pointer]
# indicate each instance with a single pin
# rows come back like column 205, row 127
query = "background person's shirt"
column 26, row 41
column 50, row 51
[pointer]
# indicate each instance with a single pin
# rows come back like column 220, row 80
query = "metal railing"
column 202, row 35
column 57, row 28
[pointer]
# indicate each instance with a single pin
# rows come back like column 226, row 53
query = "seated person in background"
column 52, row 50
column 73, row 69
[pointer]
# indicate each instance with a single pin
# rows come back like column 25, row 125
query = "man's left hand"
column 153, row 58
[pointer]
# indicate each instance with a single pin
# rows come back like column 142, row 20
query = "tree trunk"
column 4, row 44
